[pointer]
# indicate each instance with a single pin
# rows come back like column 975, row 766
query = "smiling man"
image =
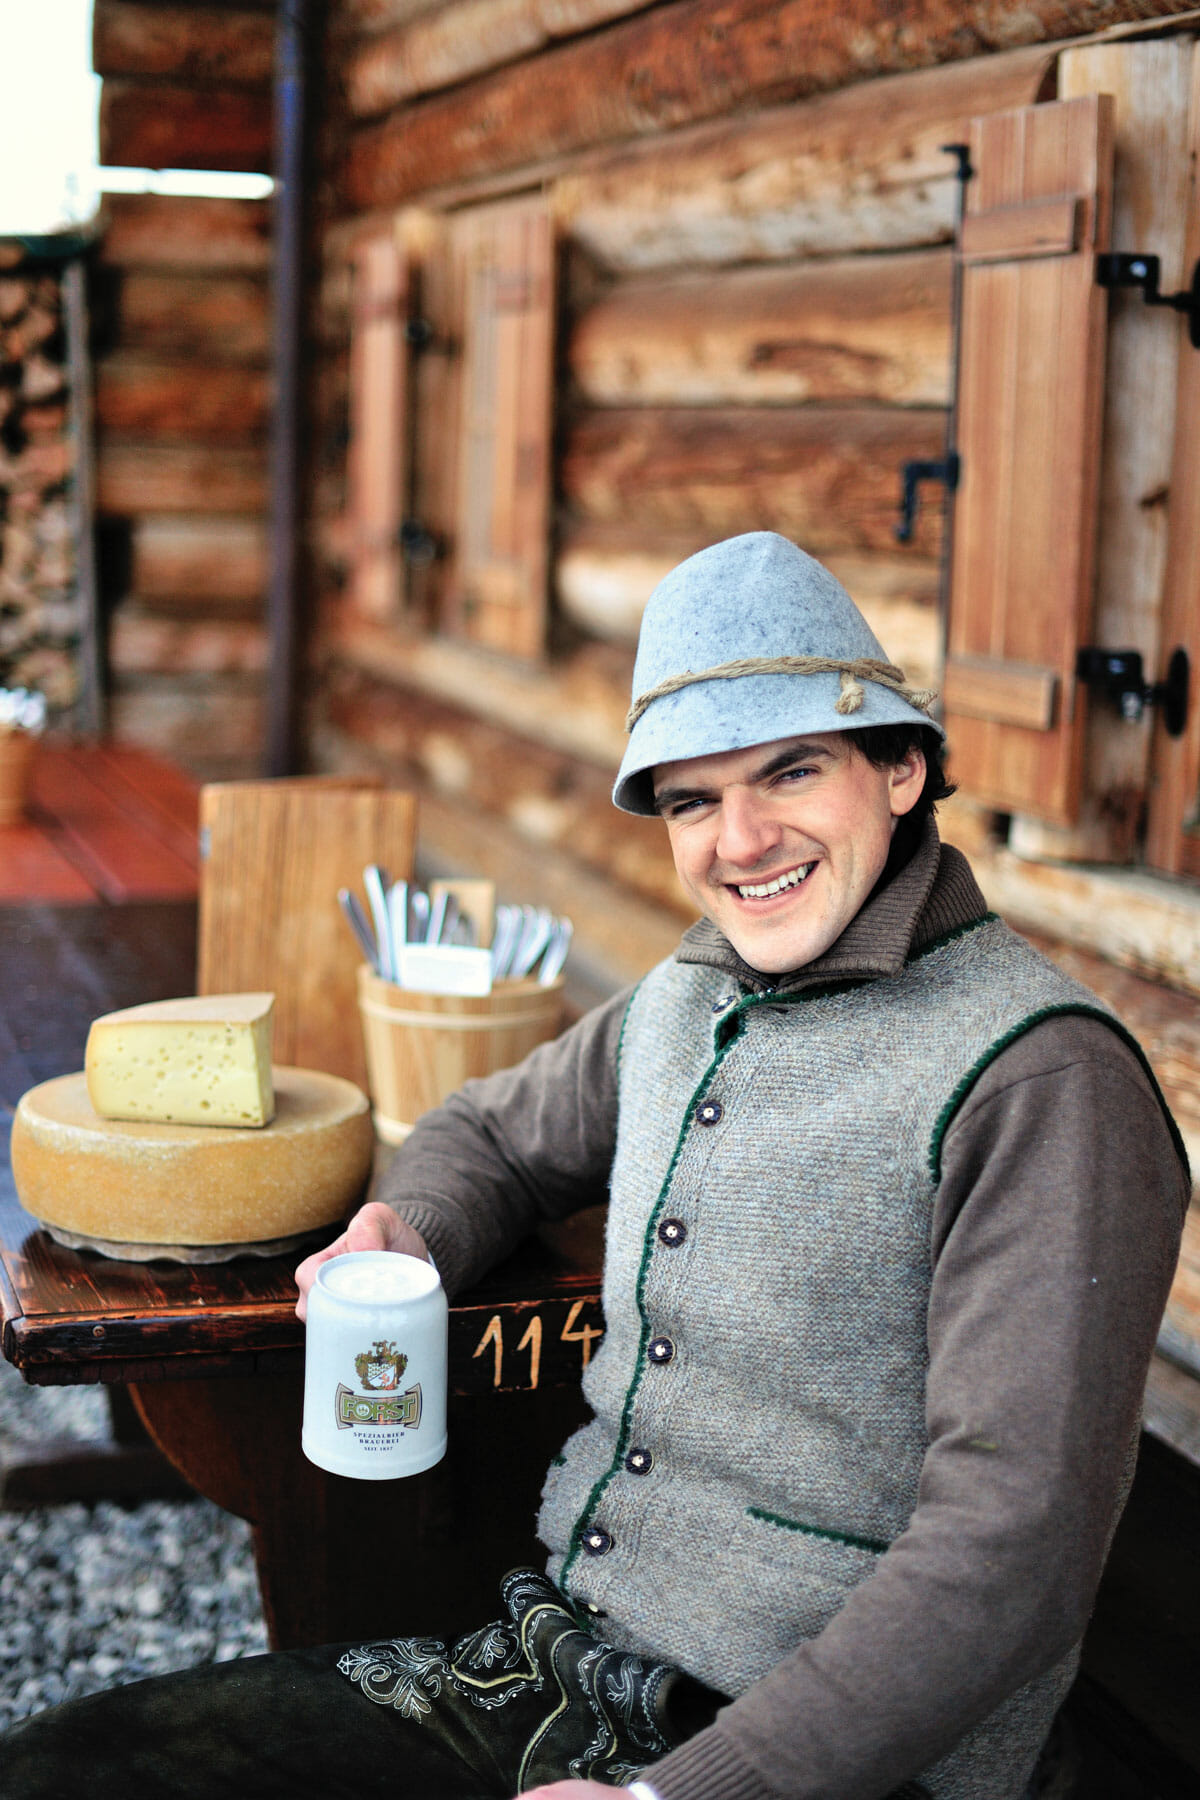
column 894, row 1208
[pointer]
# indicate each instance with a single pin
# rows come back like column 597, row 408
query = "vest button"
column 597, row 1612
column 661, row 1350
column 709, row 1112
column 639, row 1462
column 672, row 1232
column 725, row 1001
column 597, row 1541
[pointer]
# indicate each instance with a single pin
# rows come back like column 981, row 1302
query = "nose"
column 748, row 832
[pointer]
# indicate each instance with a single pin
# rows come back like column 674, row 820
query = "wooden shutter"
column 496, row 584
column 377, row 462
column 1030, row 405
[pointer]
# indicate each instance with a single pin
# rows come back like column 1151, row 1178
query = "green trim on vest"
column 623, row 1433
column 624, row 1023
column 946, row 1117
column 834, row 1537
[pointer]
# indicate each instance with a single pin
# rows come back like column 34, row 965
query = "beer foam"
column 377, row 1277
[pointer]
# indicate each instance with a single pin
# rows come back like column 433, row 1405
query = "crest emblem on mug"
column 380, row 1368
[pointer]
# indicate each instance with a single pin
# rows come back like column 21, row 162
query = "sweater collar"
column 933, row 893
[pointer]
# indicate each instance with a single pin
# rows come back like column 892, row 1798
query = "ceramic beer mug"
column 375, row 1366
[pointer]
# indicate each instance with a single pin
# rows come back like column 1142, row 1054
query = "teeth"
column 766, row 888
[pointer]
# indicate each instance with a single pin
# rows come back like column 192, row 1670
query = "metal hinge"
column 1143, row 272
column 1119, row 677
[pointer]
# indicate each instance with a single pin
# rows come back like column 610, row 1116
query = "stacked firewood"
column 40, row 611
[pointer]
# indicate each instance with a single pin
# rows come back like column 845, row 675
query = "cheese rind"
column 201, row 1060
column 184, row 1184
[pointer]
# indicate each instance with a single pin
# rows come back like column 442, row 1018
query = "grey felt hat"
column 746, row 642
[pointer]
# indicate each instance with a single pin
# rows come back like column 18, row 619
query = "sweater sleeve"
column 531, row 1143
column 1056, row 1233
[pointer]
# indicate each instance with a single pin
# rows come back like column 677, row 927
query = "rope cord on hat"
column 853, row 674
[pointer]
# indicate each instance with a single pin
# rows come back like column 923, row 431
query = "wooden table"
column 213, row 1356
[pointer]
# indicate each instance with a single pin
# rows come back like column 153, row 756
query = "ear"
column 906, row 779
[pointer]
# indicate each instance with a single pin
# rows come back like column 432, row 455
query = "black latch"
column 1144, row 272
column 418, row 546
column 945, row 469
column 1119, row 676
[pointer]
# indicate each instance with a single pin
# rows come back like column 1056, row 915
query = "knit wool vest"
column 759, row 1395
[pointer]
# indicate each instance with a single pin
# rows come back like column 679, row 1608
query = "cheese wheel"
column 193, row 1184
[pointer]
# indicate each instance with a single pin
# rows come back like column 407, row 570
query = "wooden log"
column 451, row 44
column 853, row 328
column 225, row 316
column 188, row 43
column 199, row 559
column 830, row 477
column 577, row 706
column 176, row 231
column 681, row 63
column 137, row 478
column 858, row 170
column 544, row 799
column 379, row 15
column 163, row 125
column 190, row 402
column 146, row 643
column 212, row 726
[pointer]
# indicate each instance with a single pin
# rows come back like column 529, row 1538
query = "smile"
column 763, row 890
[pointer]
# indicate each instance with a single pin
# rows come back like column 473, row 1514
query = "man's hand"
column 373, row 1227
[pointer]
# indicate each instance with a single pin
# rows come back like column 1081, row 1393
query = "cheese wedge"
column 203, row 1060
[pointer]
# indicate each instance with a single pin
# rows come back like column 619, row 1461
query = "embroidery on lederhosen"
column 590, row 1695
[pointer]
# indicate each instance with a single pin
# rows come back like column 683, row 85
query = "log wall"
column 180, row 311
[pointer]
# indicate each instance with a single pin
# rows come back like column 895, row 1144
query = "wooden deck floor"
column 106, row 822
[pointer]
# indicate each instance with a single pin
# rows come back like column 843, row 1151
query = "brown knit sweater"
column 1055, row 1237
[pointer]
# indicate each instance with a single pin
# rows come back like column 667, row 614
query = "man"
column 894, row 1209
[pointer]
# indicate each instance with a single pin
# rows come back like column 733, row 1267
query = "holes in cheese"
column 201, row 1060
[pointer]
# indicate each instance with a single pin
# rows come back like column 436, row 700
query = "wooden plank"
column 176, row 314
column 858, row 170
column 179, row 557
column 276, row 854
column 676, row 65
column 852, row 328
column 146, row 643
column 377, row 464
column 220, row 44
column 211, row 725
column 177, row 231
column 829, row 477
column 450, row 44
column 1011, row 693
column 163, row 797
column 1142, row 500
column 1038, row 228
column 163, row 125
column 99, row 825
column 1028, row 429
column 197, row 403
column 496, row 584
column 133, row 479
column 1172, row 842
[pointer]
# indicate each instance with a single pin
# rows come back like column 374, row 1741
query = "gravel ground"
column 93, row 1596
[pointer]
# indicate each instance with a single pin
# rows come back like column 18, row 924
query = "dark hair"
column 886, row 745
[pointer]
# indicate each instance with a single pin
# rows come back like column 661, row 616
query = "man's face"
column 780, row 844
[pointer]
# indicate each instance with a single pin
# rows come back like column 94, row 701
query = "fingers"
column 373, row 1227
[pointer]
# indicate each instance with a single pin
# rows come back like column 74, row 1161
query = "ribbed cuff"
column 707, row 1767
